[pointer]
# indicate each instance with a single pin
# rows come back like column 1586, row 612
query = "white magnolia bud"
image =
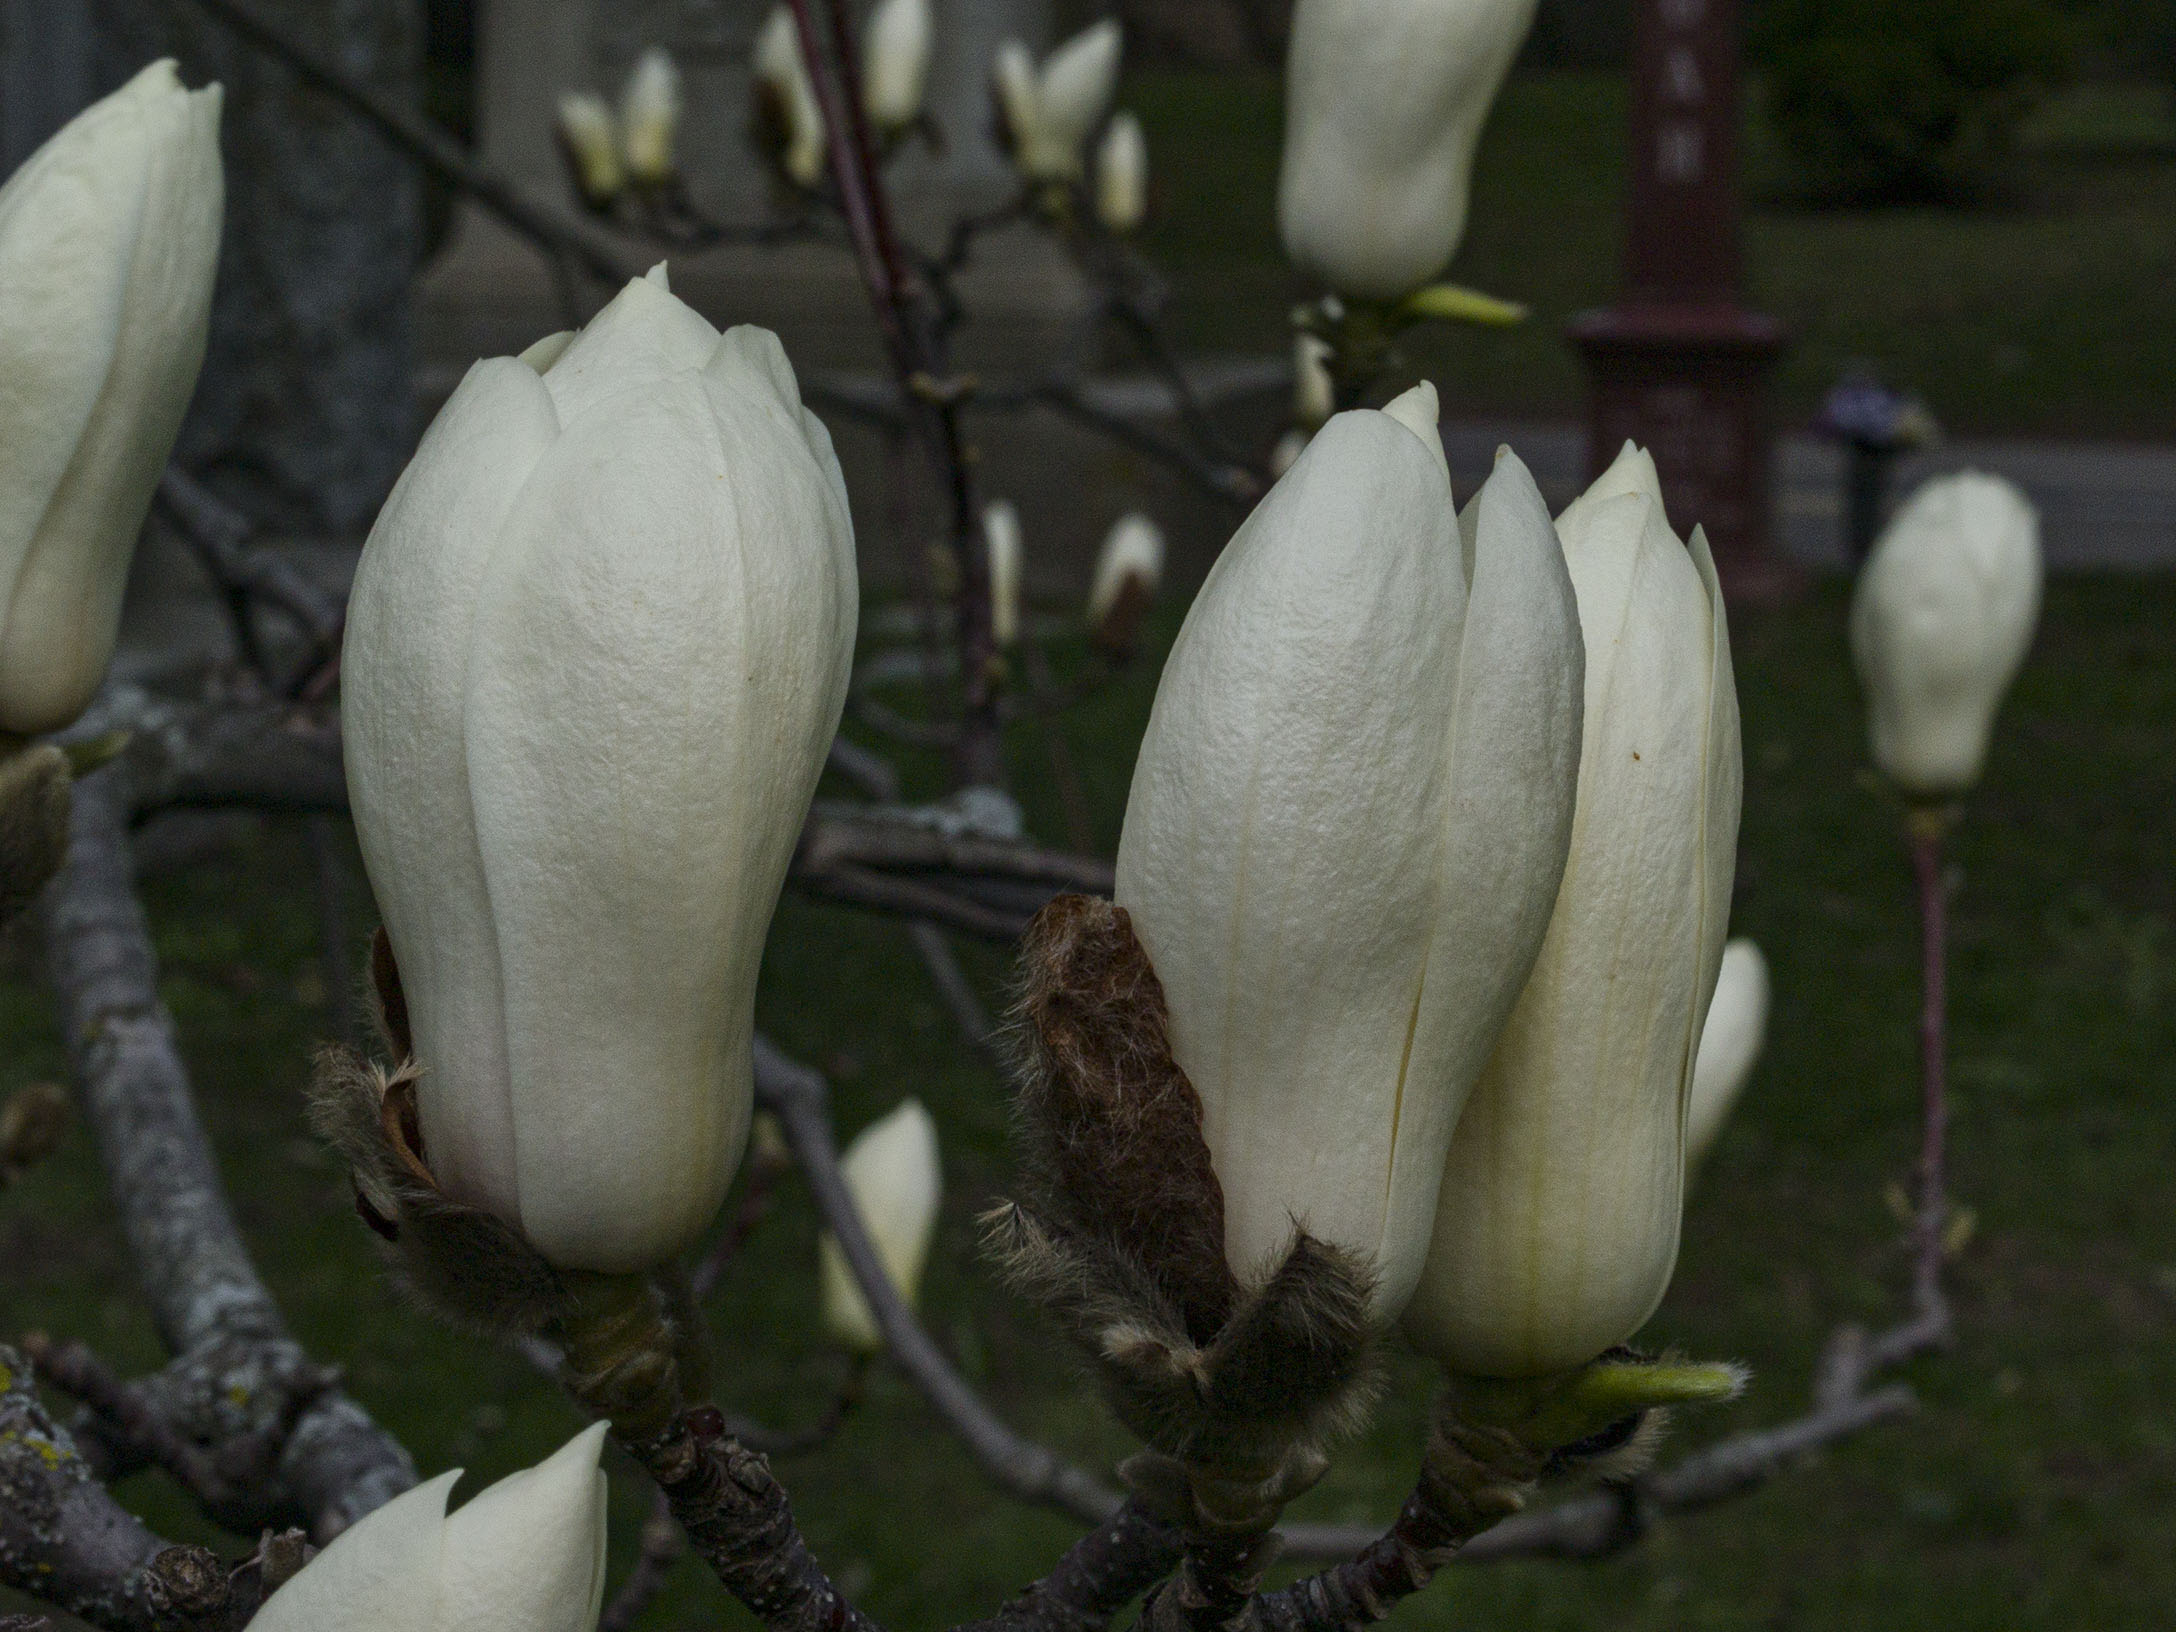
column 1132, row 552
column 1347, row 823
column 895, row 62
column 596, row 651
column 650, row 116
column 109, row 238
column 1941, row 621
column 1122, row 175
column 1001, row 538
column 782, row 73
column 591, row 136
column 1557, row 1225
column 1314, row 394
column 1049, row 112
column 892, row 1170
column 1730, row 1042
column 1384, row 103
column 523, row 1555
column 1287, row 452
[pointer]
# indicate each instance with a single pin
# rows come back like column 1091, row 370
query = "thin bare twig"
column 954, row 988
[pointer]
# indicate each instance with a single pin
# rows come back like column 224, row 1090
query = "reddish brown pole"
column 1679, row 365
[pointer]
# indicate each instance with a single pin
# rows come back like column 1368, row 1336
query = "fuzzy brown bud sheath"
column 1120, row 1234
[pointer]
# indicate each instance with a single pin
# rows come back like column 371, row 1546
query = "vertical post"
column 1679, row 364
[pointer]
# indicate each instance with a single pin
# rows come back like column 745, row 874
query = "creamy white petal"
column 378, row 1575
column 1285, row 826
column 527, row 1554
column 661, row 658
column 895, row 61
column 404, row 682
column 1556, row 1228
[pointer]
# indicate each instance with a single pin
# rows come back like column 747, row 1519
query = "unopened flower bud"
column 788, row 99
column 895, row 63
column 1557, row 1225
column 1347, row 824
column 1730, row 1044
column 1001, row 539
column 523, row 1555
column 591, row 140
column 1314, row 394
column 1940, row 624
column 1129, row 571
column 1049, row 112
column 1122, row 175
column 892, row 1170
column 109, row 238
column 1287, row 452
column 650, row 117
column 596, row 652
column 1384, row 103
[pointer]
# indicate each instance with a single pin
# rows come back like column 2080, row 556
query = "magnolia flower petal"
column 1514, row 769
column 645, row 334
column 1304, row 704
column 1556, row 1228
column 650, row 115
column 380, row 1572
column 527, row 1554
column 661, row 657
column 1077, row 81
column 404, row 679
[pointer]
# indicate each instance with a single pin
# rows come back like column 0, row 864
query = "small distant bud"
column 1314, row 394
column 792, row 123
column 892, row 1170
column 1047, row 113
column 1001, row 538
column 1122, row 175
column 590, row 140
column 1943, row 617
column 32, row 1124
column 1129, row 571
column 650, row 117
column 1287, row 452
column 895, row 63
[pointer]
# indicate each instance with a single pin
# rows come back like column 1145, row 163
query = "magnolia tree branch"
column 66, row 1541
column 297, row 1450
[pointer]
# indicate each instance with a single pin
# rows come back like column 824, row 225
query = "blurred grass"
column 2038, row 1491
column 2053, row 313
